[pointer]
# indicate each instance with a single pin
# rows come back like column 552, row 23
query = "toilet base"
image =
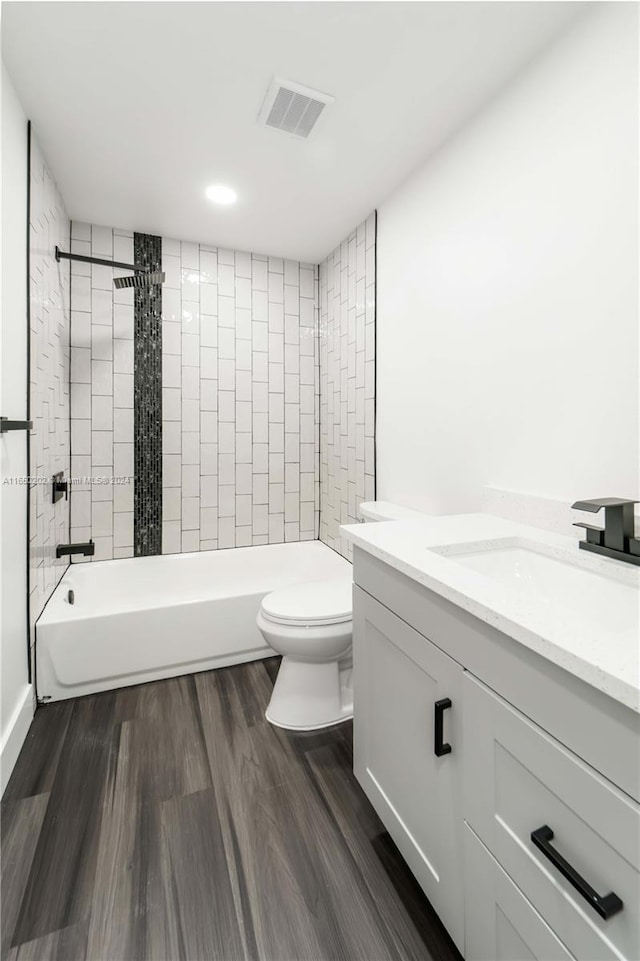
column 309, row 695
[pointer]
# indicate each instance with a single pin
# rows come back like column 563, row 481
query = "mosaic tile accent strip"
column 147, row 402
column 347, row 382
column 49, row 303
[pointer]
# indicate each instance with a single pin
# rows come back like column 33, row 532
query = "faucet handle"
column 596, row 503
column 595, row 535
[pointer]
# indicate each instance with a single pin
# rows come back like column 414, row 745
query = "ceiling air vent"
column 292, row 108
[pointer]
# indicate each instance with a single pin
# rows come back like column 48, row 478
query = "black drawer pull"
column 605, row 904
column 439, row 747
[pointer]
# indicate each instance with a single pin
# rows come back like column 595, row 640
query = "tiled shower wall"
column 49, row 288
column 240, row 446
column 347, row 382
column 268, row 395
column 101, row 394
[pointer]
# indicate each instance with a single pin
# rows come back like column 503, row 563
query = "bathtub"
column 141, row 619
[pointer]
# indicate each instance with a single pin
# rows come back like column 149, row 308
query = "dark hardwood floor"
column 170, row 821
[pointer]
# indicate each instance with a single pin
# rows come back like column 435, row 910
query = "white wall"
column 16, row 709
column 507, row 289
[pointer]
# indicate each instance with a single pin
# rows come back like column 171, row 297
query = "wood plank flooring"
column 171, row 822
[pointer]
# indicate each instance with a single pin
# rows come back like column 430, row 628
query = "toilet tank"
column 385, row 511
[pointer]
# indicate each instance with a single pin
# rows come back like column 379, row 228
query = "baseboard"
column 15, row 735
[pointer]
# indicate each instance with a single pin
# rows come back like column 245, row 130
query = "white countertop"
column 602, row 651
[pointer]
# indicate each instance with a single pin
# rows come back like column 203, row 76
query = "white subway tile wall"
column 240, row 398
column 240, row 377
column 49, row 303
column 101, row 394
column 347, row 382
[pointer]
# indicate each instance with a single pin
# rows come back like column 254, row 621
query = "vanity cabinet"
column 525, row 836
column 408, row 749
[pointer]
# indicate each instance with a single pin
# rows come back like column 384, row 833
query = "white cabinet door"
column 399, row 678
column 501, row 925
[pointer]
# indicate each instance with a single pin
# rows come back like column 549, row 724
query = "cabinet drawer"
column 518, row 779
column 500, row 924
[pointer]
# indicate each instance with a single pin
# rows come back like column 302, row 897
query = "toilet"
column 310, row 624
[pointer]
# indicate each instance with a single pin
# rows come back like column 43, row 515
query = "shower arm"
column 138, row 268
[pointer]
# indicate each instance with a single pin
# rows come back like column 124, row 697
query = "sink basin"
column 592, row 596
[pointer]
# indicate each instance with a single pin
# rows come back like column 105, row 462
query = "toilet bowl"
column 310, row 624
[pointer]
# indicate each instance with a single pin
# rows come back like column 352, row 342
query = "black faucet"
column 617, row 538
column 62, row 550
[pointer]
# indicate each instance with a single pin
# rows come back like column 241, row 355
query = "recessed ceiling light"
column 220, row 194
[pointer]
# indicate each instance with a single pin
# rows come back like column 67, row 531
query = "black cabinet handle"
column 439, row 747
column 605, row 904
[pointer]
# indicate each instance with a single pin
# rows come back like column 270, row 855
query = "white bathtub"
column 141, row 619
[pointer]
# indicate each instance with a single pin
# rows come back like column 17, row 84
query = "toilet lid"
column 317, row 602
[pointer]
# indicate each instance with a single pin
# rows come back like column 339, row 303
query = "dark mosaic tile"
column 147, row 402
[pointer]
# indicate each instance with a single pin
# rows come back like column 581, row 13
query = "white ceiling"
column 139, row 106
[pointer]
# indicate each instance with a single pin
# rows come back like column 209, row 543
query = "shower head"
column 142, row 277
column 145, row 279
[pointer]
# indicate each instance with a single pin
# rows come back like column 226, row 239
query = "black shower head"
column 143, row 277
column 139, row 280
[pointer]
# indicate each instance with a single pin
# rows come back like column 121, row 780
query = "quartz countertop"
column 603, row 649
